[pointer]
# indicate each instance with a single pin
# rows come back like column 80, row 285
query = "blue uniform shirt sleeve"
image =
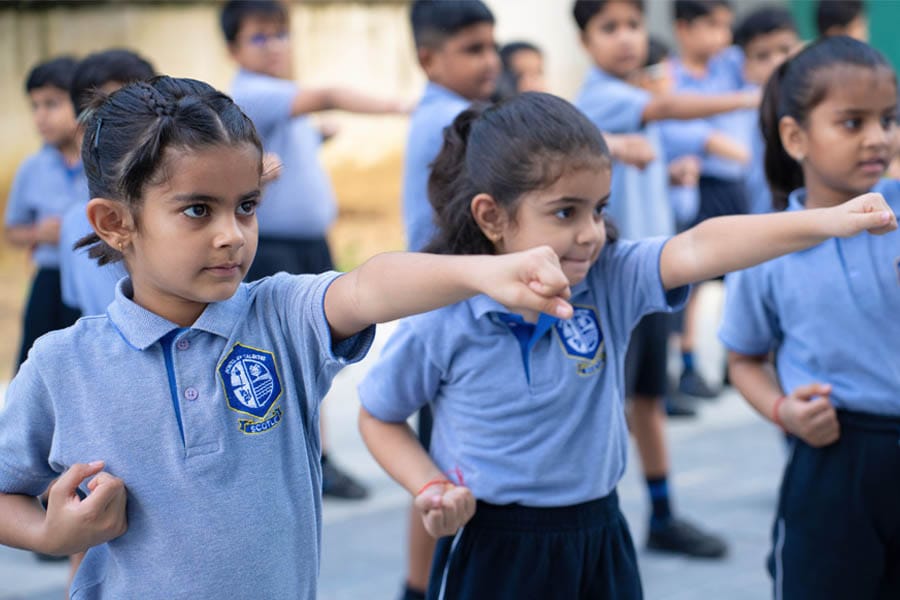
column 266, row 100
column 615, row 106
column 750, row 322
column 403, row 380
column 632, row 279
column 684, row 138
column 26, row 431
column 18, row 212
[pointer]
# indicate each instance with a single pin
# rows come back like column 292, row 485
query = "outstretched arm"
column 391, row 286
column 726, row 244
column 340, row 98
column 697, row 106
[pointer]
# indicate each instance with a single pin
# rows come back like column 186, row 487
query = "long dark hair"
column 506, row 150
column 795, row 88
column 127, row 134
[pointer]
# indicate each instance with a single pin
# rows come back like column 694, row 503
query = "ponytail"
column 450, row 191
column 783, row 173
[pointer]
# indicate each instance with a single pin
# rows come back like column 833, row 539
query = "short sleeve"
column 26, row 433
column 685, row 138
column 266, row 100
column 632, row 280
column 403, row 380
column 615, row 107
column 18, row 212
column 750, row 322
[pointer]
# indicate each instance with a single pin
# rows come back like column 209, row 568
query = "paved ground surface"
column 726, row 467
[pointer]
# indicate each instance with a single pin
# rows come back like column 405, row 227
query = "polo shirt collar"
column 482, row 305
column 797, row 199
column 435, row 91
column 141, row 328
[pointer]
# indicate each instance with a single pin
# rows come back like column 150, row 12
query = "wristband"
column 775, row 418
column 433, row 482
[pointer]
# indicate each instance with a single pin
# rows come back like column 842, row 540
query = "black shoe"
column 693, row 385
column 680, row 407
column 337, row 484
column 680, row 537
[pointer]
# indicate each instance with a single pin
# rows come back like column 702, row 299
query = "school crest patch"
column 252, row 387
column 582, row 339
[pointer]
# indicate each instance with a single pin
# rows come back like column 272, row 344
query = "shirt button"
column 183, row 344
column 191, row 393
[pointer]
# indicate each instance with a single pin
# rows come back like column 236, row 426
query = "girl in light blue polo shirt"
column 529, row 428
column 829, row 316
column 188, row 413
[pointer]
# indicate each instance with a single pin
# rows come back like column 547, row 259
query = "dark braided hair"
column 128, row 133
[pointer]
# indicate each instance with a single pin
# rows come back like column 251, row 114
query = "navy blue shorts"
column 837, row 531
column 45, row 310
column 647, row 357
column 295, row 256
column 720, row 197
column 515, row 552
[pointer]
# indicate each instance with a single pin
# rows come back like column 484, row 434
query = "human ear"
column 111, row 221
column 490, row 217
column 793, row 138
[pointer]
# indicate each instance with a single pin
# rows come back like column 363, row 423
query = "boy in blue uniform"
column 456, row 49
column 87, row 286
column 45, row 186
column 614, row 35
column 766, row 38
column 299, row 206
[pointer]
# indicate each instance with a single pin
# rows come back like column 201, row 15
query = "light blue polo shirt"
column 639, row 204
column 300, row 204
column 722, row 76
column 85, row 285
column 531, row 415
column 214, row 430
column 435, row 111
column 830, row 312
column 44, row 186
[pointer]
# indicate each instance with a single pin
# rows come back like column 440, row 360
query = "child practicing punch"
column 189, row 412
column 828, row 317
column 529, row 438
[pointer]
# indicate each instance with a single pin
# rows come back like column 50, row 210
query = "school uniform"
column 721, row 184
column 436, row 110
column 298, row 207
column 86, row 286
column 213, row 429
column 44, row 186
column 828, row 312
column 638, row 206
column 530, row 417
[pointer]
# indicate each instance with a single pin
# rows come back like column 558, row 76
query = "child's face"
column 846, row 143
column 528, row 66
column 766, row 52
column 616, row 39
column 466, row 63
column 197, row 232
column 263, row 45
column 567, row 216
column 705, row 36
column 53, row 114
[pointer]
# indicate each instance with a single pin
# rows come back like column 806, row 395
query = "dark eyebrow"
column 207, row 199
column 576, row 200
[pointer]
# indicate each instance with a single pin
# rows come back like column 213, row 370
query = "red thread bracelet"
column 775, row 418
column 435, row 481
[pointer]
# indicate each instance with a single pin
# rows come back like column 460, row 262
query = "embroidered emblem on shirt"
column 252, row 387
column 582, row 339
